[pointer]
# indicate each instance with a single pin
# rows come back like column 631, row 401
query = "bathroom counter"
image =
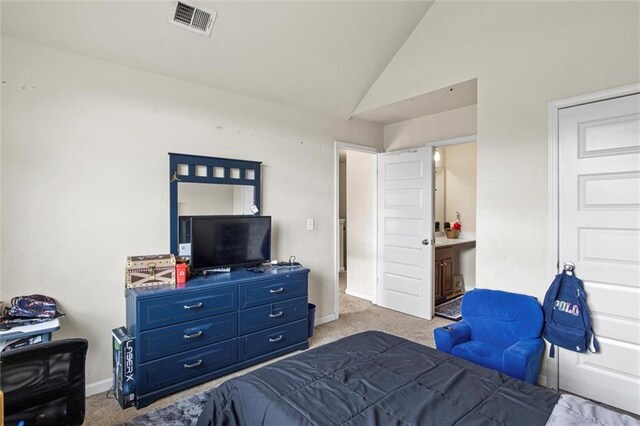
column 456, row 243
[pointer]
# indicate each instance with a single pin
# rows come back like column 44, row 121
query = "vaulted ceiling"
column 321, row 56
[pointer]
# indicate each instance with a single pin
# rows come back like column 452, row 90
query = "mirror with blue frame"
column 201, row 185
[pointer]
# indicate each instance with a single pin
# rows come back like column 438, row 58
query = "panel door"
column 599, row 231
column 405, row 219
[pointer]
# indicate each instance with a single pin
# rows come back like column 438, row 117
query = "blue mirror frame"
column 193, row 162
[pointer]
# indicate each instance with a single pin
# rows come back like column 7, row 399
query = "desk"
column 44, row 329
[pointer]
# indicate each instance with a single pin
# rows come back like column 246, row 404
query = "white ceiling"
column 322, row 56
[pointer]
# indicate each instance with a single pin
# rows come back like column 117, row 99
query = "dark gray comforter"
column 376, row 378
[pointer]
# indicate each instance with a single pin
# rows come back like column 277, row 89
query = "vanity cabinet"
column 213, row 326
column 443, row 276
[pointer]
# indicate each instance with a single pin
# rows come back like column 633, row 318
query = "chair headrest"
column 486, row 311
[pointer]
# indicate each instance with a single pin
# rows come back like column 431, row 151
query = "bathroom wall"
column 460, row 185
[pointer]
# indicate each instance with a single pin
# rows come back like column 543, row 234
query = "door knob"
column 425, row 242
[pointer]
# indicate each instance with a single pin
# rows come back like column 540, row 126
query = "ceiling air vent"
column 192, row 18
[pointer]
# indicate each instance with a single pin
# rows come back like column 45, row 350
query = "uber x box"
column 124, row 382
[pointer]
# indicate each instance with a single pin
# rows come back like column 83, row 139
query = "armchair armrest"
column 448, row 337
column 522, row 359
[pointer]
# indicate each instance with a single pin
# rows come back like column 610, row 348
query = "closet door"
column 599, row 231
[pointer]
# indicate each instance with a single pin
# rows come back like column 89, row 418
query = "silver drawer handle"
column 279, row 314
column 194, row 365
column 279, row 290
column 196, row 306
column 193, row 336
column 276, row 339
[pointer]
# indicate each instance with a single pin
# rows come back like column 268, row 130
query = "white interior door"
column 599, row 231
column 405, row 219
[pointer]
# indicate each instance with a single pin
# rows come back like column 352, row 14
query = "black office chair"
column 43, row 384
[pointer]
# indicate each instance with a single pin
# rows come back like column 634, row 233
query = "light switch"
column 310, row 224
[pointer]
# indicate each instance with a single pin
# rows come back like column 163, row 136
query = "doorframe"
column 453, row 141
column 439, row 144
column 553, row 264
column 337, row 146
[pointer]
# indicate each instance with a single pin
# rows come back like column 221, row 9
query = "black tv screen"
column 225, row 241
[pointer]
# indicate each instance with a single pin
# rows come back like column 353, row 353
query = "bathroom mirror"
column 210, row 186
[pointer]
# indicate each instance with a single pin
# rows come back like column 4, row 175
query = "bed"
column 376, row 378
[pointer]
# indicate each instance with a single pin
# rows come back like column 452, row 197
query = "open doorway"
column 355, row 218
column 454, row 223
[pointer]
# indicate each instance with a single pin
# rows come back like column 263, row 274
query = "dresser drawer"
column 187, row 335
column 256, row 344
column 270, row 291
column 186, row 306
column 271, row 315
column 177, row 368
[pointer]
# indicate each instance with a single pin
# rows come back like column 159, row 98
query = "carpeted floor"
column 356, row 315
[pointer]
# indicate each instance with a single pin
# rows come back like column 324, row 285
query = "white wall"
column 430, row 128
column 361, row 254
column 85, row 178
column 524, row 54
column 439, row 196
column 460, row 186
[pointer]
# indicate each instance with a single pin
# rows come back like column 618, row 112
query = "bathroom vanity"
column 452, row 256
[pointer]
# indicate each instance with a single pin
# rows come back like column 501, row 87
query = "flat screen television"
column 227, row 241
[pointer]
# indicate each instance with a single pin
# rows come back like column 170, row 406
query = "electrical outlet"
column 310, row 224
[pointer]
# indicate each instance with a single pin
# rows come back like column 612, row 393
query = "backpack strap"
column 552, row 294
column 594, row 343
column 549, row 301
column 586, row 318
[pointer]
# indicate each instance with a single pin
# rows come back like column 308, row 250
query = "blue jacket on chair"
column 499, row 330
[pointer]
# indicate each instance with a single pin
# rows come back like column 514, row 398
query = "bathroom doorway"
column 455, row 183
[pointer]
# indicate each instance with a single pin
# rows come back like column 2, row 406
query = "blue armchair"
column 499, row 330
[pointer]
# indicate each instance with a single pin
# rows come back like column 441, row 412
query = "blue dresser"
column 213, row 326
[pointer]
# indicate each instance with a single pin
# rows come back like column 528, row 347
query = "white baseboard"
column 328, row 318
column 358, row 294
column 98, row 387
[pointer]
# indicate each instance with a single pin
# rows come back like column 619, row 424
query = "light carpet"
column 356, row 315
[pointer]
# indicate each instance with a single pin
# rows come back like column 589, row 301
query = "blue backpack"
column 567, row 320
